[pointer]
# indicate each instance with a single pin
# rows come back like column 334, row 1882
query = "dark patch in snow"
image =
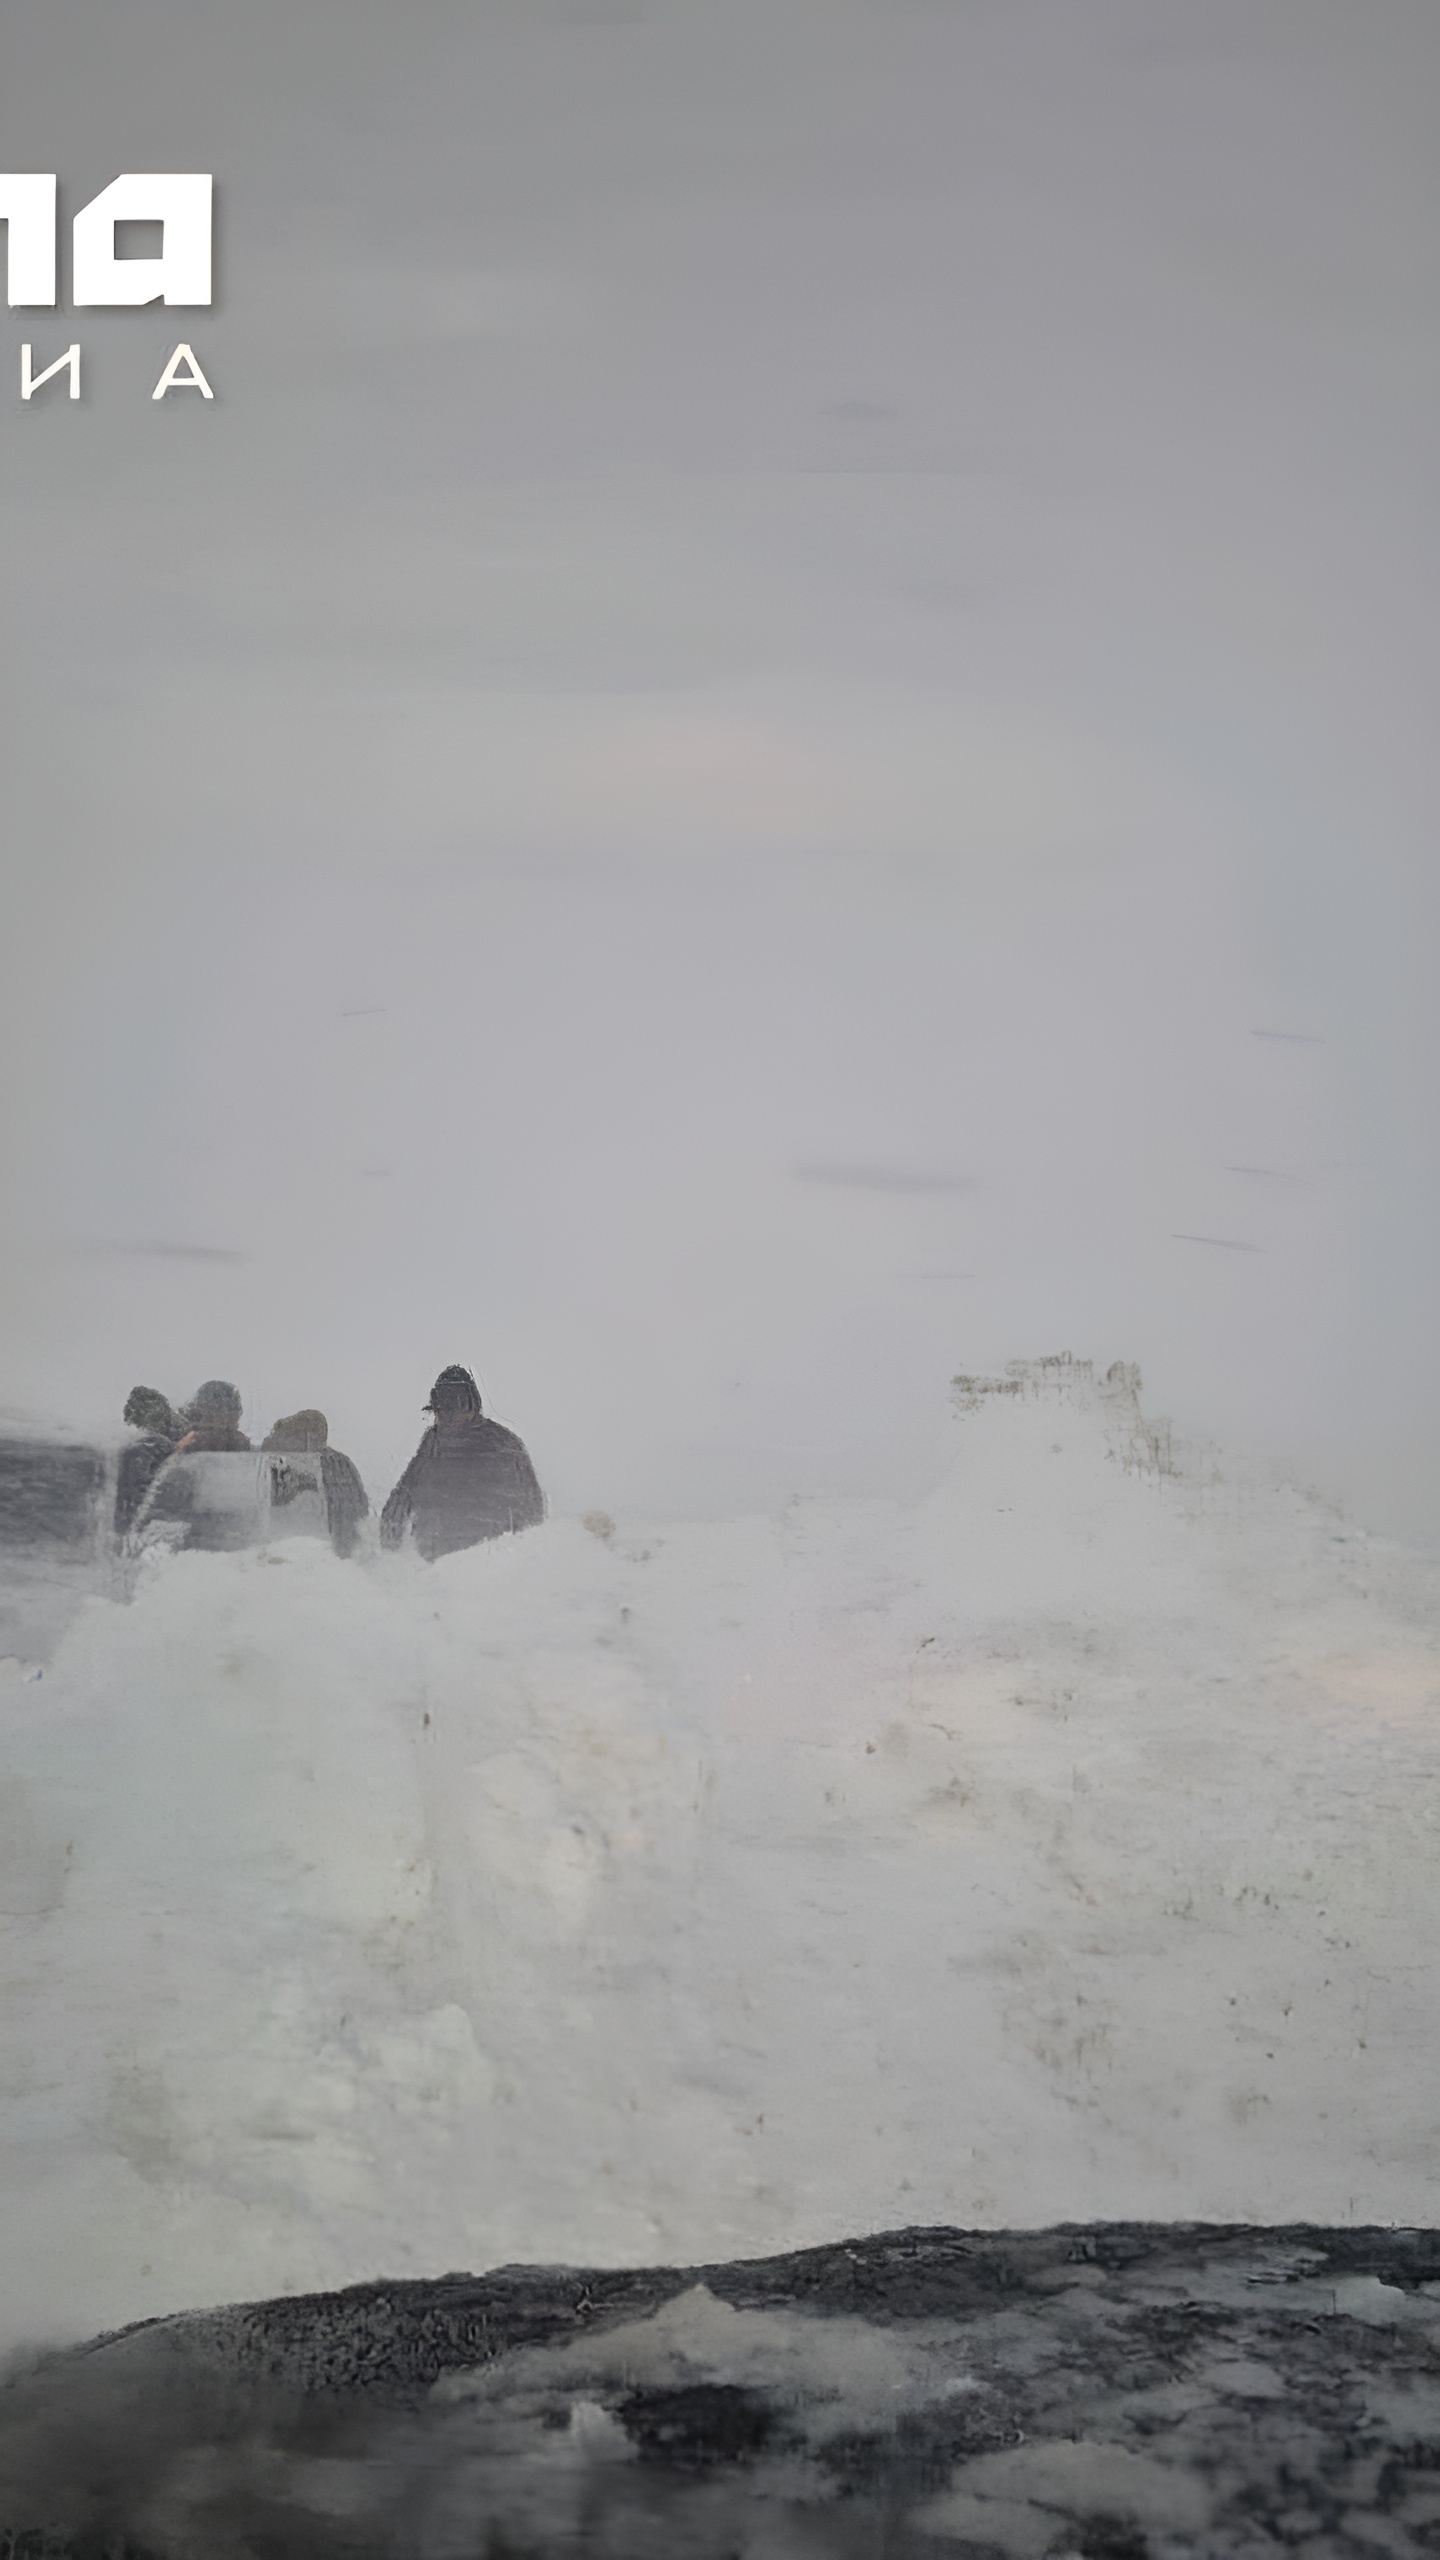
column 1120, row 2391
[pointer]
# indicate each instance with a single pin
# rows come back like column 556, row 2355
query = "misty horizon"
column 773, row 736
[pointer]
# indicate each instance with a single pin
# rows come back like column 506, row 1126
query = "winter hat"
column 454, row 1391
column 307, row 1429
column 215, row 1405
column 148, row 1410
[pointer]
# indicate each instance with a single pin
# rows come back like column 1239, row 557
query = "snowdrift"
column 1061, row 1847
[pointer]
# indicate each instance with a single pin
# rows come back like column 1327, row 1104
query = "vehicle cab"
column 57, row 1532
column 217, row 1500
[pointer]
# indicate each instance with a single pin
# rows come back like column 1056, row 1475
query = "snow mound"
column 1059, row 1847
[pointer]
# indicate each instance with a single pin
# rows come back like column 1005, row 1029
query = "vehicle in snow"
column 58, row 1536
column 221, row 1499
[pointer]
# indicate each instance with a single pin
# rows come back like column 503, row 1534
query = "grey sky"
column 769, row 591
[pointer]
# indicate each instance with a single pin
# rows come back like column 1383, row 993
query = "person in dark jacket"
column 156, row 1419
column 346, row 1501
column 212, row 1418
column 469, row 1479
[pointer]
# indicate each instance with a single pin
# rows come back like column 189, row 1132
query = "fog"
column 776, row 738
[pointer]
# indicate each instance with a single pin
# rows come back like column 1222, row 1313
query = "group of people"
column 470, row 1479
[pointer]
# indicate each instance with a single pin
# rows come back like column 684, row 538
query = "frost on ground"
column 1060, row 1847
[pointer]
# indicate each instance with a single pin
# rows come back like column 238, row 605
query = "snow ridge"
column 1058, row 1847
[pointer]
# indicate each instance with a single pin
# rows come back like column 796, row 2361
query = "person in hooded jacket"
column 212, row 1418
column 470, row 1478
column 140, row 1462
column 346, row 1501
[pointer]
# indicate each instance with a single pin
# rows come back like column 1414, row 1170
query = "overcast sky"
column 778, row 736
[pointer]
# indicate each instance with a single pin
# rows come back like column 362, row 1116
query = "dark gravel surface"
column 1119, row 2392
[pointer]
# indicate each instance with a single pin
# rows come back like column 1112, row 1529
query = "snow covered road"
column 1061, row 1847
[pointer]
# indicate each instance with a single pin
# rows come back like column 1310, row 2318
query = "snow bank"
column 1063, row 1846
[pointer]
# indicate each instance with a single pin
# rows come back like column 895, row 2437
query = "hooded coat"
column 212, row 1418
column 471, row 1481
column 141, row 1460
column 346, row 1501
column 139, row 1464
